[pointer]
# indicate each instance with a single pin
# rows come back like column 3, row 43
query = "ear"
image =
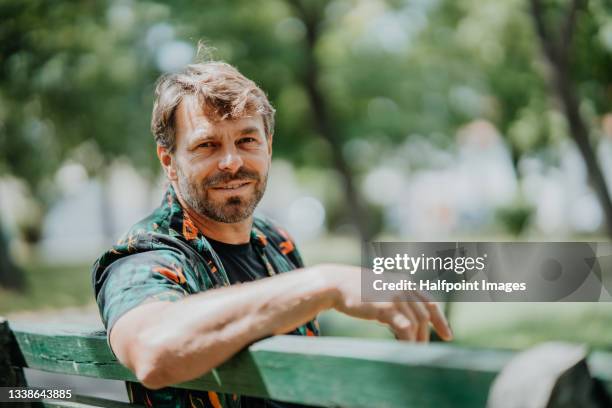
column 270, row 137
column 167, row 161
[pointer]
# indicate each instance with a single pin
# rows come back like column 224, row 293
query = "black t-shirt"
column 242, row 263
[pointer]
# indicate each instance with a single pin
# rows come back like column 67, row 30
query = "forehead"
column 192, row 121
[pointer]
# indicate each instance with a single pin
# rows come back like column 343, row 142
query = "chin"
column 236, row 211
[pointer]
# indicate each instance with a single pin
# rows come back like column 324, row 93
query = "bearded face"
column 219, row 167
column 224, row 197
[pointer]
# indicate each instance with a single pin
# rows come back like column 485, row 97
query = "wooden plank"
column 81, row 401
column 318, row 371
column 377, row 373
column 68, row 350
column 67, row 404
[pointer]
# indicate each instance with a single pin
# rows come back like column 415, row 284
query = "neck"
column 234, row 233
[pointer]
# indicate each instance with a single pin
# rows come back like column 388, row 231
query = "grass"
column 49, row 287
column 521, row 325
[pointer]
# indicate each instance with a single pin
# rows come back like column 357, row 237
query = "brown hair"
column 223, row 93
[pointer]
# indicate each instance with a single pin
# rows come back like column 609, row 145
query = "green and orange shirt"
column 165, row 257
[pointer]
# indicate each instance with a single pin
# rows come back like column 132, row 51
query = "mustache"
column 223, row 177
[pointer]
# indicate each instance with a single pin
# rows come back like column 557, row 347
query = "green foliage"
column 70, row 75
column 76, row 79
column 592, row 54
column 514, row 217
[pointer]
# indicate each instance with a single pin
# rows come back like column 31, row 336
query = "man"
column 214, row 131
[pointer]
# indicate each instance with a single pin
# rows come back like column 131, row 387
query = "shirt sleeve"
column 141, row 278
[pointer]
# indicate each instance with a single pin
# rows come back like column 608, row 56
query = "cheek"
column 199, row 169
column 261, row 167
column 261, row 160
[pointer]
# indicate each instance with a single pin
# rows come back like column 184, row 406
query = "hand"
column 408, row 316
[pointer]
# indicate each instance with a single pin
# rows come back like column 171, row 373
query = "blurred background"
column 397, row 120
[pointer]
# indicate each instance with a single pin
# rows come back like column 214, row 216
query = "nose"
column 231, row 161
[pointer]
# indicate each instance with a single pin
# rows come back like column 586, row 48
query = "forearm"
column 190, row 337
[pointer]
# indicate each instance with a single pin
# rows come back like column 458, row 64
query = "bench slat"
column 319, row 371
column 81, row 401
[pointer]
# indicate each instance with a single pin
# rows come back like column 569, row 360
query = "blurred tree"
column 352, row 80
column 276, row 45
column 557, row 37
column 311, row 14
column 71, row 87
column 11, row 276
column 514, row 217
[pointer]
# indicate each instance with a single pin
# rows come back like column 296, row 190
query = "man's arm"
column 165, row 343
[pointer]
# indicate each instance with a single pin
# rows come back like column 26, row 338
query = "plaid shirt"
column 165, row 257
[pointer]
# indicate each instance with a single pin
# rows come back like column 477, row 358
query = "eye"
column 247, row 140
column 207, row 144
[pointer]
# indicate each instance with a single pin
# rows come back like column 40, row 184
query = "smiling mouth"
column 232, row 186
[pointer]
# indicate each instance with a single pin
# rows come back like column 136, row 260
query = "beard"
column 228, row 210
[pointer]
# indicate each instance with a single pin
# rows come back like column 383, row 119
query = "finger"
column 407, row 311
column 420, row 312
column 438, row 320
column 402, row 327
column 422, row 315
column 388, row 314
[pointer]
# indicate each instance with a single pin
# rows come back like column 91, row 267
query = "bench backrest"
column 318, row 371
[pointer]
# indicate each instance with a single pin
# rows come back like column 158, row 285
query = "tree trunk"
column 556, row 49
column 11, row 276
column 323, row 122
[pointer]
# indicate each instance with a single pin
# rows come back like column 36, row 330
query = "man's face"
column 221, row 166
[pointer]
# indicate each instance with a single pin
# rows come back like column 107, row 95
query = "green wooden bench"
column 334, row 371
